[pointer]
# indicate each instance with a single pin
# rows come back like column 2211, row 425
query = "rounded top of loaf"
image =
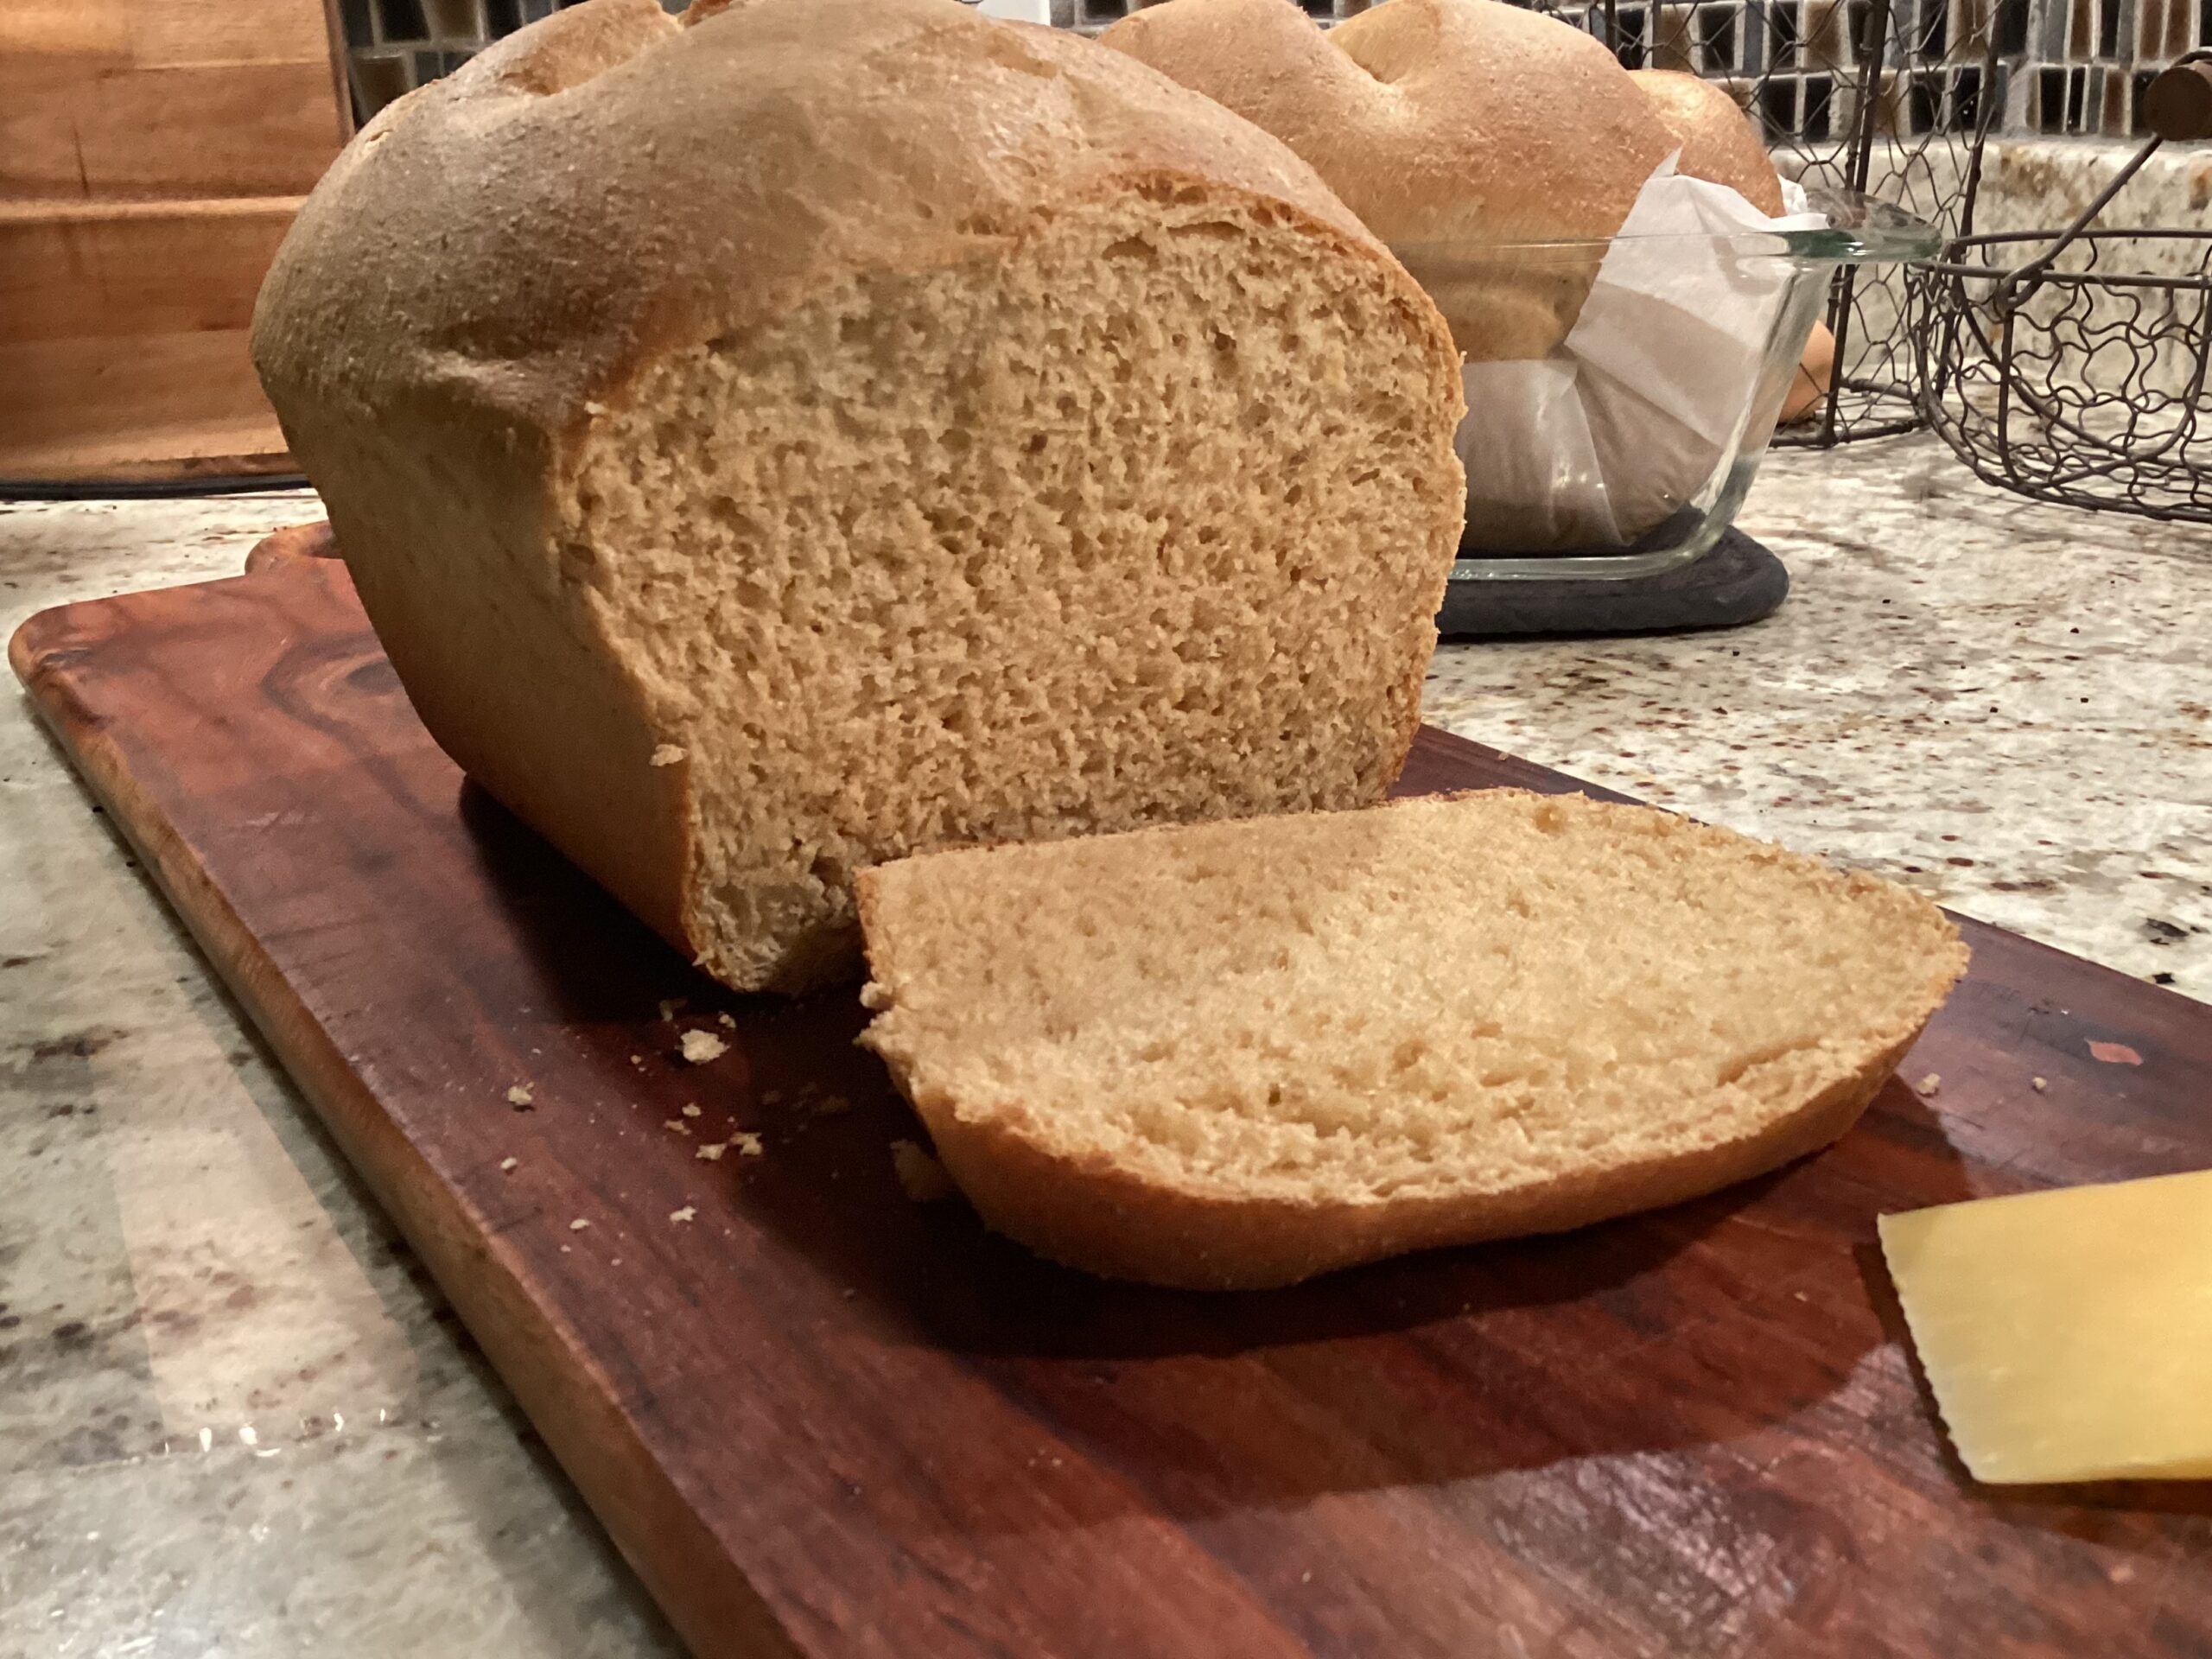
column 1437, row 121
column 1716, row 136
column 607, row 186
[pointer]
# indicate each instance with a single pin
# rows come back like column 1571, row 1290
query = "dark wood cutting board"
column 823, row 1419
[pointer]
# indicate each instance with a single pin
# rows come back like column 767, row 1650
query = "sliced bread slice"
column 1243, row 1053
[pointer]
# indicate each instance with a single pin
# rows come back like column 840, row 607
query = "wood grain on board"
column 81, row 38
column 822, row 1419
column 82, row 271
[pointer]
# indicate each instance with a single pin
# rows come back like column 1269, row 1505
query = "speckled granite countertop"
column 236, row 1420
column 2004, row 704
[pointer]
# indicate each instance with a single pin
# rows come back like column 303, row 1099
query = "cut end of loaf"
column 1146, row 520
column 1239, row 1054
column 938, row 429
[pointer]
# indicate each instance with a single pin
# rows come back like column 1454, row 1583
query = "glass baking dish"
column 1625, row 450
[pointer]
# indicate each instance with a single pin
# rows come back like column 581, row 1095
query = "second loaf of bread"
column 843, row 428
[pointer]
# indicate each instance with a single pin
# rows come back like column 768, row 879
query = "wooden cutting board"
column 823, row 1419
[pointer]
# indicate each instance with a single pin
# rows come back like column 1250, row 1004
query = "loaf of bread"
column 1716, row 137
column 1437, row 121
column 1496, row 150
column 1239, row 1054
column 840, row 427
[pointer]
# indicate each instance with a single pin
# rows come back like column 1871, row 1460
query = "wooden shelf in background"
column 182, row 131
column 152, row 154
column 123, row 338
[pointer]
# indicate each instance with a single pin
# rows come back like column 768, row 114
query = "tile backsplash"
column 394, row 46
column 2062, row 66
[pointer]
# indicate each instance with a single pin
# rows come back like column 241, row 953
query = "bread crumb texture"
column 937, row 431
column 1442, row 123
column 1141, row 524
column 1241, row 1054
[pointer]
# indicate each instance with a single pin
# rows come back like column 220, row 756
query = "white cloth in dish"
column 1647, row 396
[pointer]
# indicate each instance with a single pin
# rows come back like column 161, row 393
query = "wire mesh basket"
column 2078, row 373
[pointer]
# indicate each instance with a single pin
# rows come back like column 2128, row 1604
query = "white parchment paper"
column 1595, row 444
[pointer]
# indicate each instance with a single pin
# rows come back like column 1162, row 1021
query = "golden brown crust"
column 1105, row 1220
column 1716, row 136
column 1445, row 121
column 1436, row 121
column 522, row 246
column 497, row 257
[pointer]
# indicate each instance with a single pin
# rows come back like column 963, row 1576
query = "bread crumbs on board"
column 689, row 1109
column 678, row 1125
column 700, row 1046
column 747, row 1142
column 518, row 1094
column 578, row 1224
column 507, row 1164
column 2040, row 1083
column 689, row 1212
column 712, row 1151
column 672, row 1006
column 1932, row 1083
column 728, row 1019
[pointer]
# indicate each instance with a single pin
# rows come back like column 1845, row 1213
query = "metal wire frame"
column 2084, row 385
column 1919, row 90
column 2076, row 382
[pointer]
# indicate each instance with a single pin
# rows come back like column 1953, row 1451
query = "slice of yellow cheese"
column 2067, row 1334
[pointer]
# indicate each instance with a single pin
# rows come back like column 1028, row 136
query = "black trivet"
column 1738, row 581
